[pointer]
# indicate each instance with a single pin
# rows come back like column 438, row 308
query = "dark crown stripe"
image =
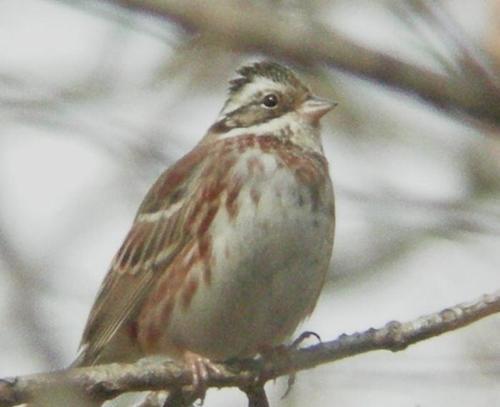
column 270, row 70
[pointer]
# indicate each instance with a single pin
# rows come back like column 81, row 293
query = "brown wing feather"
column 133, row 269
column 179, row 208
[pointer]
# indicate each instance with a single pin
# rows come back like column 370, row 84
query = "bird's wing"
column 159, row 232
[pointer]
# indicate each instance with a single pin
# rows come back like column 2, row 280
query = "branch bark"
column 249, row 27
column 88, row 385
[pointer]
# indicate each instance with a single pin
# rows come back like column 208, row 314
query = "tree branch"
column 99, row 383
column 250, row 27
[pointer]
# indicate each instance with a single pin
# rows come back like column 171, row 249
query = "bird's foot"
column 202, row 369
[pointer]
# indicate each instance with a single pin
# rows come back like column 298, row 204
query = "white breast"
column 268, row 265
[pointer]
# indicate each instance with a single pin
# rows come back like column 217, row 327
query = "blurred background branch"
column 244, row 26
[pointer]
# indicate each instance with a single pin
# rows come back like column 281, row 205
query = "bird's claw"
column 202, row 369
column 302, row 337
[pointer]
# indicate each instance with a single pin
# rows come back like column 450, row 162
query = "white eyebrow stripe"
column 259, row 84
column 245, row 95
column 161, row 215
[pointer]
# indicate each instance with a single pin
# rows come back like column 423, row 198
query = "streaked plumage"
column 229, row 249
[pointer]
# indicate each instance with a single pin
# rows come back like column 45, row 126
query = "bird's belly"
column 267, row 267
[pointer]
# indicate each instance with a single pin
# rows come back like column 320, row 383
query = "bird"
column 230, row 248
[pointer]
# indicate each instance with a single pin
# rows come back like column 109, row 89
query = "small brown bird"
column 229, row 249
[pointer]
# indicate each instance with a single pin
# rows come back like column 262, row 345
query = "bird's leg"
column 269, row 353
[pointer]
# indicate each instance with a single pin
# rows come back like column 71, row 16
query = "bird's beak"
column 314, row 108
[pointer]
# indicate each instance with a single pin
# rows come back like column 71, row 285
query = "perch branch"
column 99, row 383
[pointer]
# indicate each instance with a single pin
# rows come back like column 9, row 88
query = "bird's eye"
column 270, row 100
